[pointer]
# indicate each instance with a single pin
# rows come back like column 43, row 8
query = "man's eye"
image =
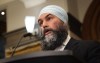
column 48, row 18
column 40, row 23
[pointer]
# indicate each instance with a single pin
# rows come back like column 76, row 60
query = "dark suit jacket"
column 87, row 51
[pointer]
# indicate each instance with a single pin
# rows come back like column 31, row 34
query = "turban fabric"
column 57, row 11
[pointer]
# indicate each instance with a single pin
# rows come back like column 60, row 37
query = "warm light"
column 2, row 13
column 30, row 23
column 32, row 3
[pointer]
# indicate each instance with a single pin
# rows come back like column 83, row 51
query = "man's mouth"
column 46, row 32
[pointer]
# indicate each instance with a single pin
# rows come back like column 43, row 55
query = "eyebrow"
column 48, row 15
column 45, row 17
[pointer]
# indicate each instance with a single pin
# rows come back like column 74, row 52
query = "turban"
column 57, row 11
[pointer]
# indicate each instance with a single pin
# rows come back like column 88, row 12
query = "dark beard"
column 53, row 44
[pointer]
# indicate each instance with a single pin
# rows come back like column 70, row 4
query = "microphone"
column 35, row 33
column 16, row 46
column 27, row 34
column 30, row 24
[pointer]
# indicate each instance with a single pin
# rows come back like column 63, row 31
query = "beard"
column 54, row 39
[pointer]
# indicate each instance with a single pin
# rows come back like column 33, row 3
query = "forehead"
column 45, row 15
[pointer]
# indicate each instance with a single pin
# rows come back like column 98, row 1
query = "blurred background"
column 84, row 22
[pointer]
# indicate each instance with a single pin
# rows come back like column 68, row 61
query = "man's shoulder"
column 84, row 49
column 87, row 43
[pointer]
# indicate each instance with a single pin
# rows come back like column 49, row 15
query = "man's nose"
column 45, row 24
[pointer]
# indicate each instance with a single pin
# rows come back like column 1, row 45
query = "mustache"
column 43, row 31
column 46, row 30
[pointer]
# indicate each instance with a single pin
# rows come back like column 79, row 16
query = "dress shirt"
column 61, row 48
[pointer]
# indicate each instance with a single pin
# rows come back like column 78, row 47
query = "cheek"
column 56, row 23
column 54, row 26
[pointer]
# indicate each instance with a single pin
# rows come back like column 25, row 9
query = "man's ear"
column 66, row 25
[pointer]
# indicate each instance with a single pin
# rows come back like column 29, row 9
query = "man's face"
column 53, row 30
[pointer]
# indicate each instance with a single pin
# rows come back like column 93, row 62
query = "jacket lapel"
column 71, row 44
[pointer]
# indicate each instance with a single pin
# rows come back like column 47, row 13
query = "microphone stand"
column 25, row 35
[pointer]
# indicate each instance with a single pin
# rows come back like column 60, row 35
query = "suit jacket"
column 86, row 51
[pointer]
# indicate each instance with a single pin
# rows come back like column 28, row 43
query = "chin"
column 50, row 37
column 48, row 41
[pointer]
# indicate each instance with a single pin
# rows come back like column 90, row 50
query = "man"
column 53, row 21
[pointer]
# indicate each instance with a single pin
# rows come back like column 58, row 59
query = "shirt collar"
column 67, row 40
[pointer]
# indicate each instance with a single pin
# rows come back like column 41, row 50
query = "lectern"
column 44, row 57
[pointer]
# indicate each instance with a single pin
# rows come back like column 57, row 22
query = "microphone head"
column 37, row 32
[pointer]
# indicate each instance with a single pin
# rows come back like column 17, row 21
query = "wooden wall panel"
column 91, row 23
